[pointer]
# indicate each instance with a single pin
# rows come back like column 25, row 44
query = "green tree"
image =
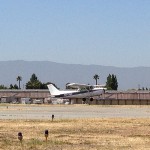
column 44, row 85
column 19, row 79
column 33, row 78
column 112, row 83
column 109, row 82
column 34, row 83
column 13, row 86
column 2, row 87
column 16, row 86
column 96, row 77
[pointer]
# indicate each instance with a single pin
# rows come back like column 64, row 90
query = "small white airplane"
column 82, row 91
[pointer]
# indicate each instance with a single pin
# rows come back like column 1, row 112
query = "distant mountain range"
column 60, row 74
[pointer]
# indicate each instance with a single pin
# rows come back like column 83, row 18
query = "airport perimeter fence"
column 109, row 98
column 126, row 98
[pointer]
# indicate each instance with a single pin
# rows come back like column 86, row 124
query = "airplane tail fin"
column 52, row 89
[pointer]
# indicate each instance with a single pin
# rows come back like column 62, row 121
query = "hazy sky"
column 102, row 32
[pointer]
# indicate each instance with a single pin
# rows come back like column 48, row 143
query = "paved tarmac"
column 72, row 111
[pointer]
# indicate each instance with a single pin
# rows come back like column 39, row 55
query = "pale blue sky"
column 102, row 32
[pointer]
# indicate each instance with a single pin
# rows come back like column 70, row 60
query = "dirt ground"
column 76, row 134
column 9, row 111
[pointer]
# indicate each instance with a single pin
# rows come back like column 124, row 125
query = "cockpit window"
column 83, row 89
column 86, row 88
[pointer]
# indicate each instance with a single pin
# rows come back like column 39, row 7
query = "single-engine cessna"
column 82, row 91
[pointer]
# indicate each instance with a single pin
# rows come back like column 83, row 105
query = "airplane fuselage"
column 80, row 94
column 84, row 92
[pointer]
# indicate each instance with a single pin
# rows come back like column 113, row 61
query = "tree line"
column 111, row 83
column 35, row 83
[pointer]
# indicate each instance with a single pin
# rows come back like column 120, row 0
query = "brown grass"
column 77, row 134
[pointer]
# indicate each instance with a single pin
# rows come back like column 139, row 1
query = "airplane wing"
column 78, row 86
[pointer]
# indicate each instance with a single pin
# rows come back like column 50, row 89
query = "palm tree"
column 19, row 78
column 96, row 77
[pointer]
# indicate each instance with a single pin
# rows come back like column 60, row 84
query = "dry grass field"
column 76, row 134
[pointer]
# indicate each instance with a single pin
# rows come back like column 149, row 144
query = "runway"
column 72, row 111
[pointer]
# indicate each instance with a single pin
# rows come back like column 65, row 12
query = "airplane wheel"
column 91, row 99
